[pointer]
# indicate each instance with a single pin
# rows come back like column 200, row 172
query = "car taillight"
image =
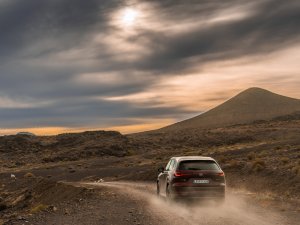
column 180, row 174
column 221, row 174
column 177, row 174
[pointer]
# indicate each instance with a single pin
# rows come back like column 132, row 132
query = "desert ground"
column 104, row 177
column 261, row 162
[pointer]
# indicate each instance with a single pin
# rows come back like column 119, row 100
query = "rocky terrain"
column 267, row 152
column 260, row 156
column 26, row 150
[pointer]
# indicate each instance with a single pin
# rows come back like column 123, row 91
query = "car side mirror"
column 161, row 169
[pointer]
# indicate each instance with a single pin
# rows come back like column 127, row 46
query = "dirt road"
column 237, row 210
column 136, row 203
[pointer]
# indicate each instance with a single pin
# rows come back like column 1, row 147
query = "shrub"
column 29, row 175
column 38, row 208
column 251, row 156
column 284, row 159
column 130, row 152
column 296, row 170
column 222, row 159
column 258, row 165
column 233, row 163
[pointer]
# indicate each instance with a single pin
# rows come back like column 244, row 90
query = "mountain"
column 250, row 105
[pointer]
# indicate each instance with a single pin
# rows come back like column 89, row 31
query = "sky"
column 73, row 65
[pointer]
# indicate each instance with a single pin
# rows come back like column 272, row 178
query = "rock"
column 3, row 206
column 67, row 212
column 53, row 208
column 20, row 218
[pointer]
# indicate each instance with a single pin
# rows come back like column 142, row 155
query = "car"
column 192, row 177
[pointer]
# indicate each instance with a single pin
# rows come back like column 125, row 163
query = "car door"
column 163, row 176
column 170, row 171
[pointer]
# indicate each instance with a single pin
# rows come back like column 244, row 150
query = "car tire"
column 169, row 195
column 157, row 189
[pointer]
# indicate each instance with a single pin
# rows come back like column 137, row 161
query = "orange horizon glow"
column 126, row 129
column 141, row 124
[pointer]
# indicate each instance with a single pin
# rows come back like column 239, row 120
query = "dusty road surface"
column 136, row 203
column 237, row 210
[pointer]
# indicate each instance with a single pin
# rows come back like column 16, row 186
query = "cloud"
column 60, row 23
column 273, row 25
column 74, row 64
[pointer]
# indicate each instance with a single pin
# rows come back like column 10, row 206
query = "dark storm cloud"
column 34, row 33
column 67, row 23
column 271, row 26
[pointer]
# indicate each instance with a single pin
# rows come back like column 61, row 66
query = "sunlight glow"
column 129, row 16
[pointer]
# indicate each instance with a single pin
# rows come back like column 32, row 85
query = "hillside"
column 250, row 105
column 21, row 150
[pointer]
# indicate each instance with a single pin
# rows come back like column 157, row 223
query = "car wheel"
column 168, row 193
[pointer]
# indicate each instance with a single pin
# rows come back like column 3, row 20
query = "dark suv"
column 192, row 177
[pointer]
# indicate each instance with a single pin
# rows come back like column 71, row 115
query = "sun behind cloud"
column 129, row 16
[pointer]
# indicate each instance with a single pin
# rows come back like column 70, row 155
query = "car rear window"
column 198, row 165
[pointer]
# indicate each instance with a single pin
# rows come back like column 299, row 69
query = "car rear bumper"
column 199, row 192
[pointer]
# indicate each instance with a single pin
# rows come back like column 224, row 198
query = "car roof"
column 180, row 158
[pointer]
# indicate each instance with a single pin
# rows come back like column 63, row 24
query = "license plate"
column 201, row 181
